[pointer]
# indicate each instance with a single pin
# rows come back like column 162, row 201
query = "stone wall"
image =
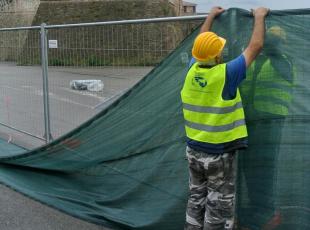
column 15, row 13
column 63, row 12
column 78, row 46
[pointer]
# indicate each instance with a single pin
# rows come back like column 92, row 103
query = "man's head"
column 208, row 47
column 275, row 39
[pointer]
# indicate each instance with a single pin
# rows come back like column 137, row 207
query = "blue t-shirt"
column 235, row 74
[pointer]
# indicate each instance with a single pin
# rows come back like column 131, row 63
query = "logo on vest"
column 199, row 81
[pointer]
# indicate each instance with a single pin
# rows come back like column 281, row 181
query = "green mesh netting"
column 126, row 167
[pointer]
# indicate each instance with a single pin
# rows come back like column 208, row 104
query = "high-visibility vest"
column 208, row 117
column 272, row 93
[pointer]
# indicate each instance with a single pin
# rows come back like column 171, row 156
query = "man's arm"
column 215, row 11
column 257, row 39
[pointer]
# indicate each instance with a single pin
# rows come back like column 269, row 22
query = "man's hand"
column 260, row 12
column 215, row 11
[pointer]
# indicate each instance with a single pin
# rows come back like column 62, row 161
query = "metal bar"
column 21, row 131
column 21, row 28
column 133, row 21
column 44, row 62
column 121, row 22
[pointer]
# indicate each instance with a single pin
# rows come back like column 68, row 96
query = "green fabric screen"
column 126, row 167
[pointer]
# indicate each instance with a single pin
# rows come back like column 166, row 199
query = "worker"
column 215, row 124
column 269, row 86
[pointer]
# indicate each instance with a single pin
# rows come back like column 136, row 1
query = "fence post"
column 44, row 63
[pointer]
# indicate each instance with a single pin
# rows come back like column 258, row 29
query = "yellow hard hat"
column 207, row 45
column 277, row 31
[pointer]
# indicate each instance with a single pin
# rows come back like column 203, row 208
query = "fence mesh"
column 119, row 55
column 21, row 84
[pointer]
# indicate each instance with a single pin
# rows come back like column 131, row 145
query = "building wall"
column 62, row 12
column 189, row 10
column 22, row 12
column 25, row 50
column 182, row 9
column 14, row 13
column 177, row 4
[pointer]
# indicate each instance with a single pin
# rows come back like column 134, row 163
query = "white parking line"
column 39, row 92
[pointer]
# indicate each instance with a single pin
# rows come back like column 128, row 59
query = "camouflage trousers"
column 211, row 201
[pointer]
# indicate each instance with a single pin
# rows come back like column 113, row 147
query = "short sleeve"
column 235, row 74
column 192, row 62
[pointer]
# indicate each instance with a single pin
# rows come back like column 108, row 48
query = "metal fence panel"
column 21, row 85
column 119, row 54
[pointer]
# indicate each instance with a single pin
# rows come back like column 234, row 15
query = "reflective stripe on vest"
column 203, row 109
column 209, row 118
column 219, row 128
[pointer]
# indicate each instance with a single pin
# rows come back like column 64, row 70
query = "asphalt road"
column 21, row 107
column 21, row 97
column 21, row 213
